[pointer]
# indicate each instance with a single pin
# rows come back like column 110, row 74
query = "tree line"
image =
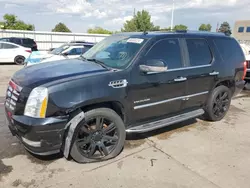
column 141, row 21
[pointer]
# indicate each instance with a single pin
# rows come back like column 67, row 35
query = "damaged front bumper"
column 41, row 136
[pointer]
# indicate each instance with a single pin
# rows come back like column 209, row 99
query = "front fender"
column 72, row 127
column 67, row 97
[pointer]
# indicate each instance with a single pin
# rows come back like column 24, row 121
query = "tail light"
column 28, row 51
column 245, row 70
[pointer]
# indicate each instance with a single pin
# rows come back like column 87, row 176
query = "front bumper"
column 39, row 136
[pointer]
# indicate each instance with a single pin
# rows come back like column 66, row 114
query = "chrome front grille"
column 12, row 96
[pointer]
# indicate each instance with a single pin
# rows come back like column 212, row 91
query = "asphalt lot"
column 192, row 154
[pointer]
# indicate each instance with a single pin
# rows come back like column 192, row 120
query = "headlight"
column 36, row 105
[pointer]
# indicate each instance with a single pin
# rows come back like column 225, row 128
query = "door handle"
column 181, row 79
column 213, row 73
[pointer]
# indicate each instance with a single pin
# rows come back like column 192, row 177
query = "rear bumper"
column 239, row 86
column 39, row 136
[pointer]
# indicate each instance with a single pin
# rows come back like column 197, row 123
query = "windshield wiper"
column 98, row 62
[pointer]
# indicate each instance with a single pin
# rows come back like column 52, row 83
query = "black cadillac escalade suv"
column 128, row 82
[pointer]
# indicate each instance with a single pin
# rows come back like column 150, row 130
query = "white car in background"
column 66, row 51
column 13, row 53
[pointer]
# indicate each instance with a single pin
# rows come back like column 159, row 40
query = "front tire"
column 218, row 103
column 100, row 137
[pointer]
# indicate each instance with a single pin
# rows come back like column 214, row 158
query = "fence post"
column 51, row 45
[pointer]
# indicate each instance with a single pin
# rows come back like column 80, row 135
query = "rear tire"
column 19, row 60
column 100, row 137
column 218, row 103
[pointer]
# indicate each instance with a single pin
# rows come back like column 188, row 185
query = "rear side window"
column 75, row 51
column 167, row 50
column 199, row 52
column 28, row 43
column 230, row 50
column 85, row 49
column 8, row 46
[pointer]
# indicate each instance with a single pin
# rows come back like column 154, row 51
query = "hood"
column 54, row 70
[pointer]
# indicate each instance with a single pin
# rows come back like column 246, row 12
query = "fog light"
column 31, row 143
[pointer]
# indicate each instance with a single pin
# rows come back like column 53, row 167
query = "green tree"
column 225, row 28
column 99, row 30
column 140, row 22
column 11, row 22
column 61, row 27
column 180, row 27
column 166, row 29
column 205, row 27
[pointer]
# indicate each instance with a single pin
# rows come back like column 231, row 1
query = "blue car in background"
column 66, row 51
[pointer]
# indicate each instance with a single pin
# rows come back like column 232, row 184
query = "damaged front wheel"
column 100, row 137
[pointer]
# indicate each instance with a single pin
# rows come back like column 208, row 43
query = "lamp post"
column 172, row 19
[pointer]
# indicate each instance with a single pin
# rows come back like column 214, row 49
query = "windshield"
column 60, row 49
column 115, row 51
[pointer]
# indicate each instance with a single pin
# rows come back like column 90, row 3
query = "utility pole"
column 217, row 28
column 172, row 19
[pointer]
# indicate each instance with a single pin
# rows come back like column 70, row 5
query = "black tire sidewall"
column 112, row 115
column 19, row 57
column 209, row 108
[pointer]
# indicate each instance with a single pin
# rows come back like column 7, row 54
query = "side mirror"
column 153, row 66
column 65, row 54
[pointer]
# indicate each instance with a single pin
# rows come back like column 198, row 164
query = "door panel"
column 201, row 74
column 157, row 95
column 199, row 83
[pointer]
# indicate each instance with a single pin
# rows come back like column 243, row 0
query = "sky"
column 79, row 15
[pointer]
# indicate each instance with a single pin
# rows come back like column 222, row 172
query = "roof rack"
column 202, row 32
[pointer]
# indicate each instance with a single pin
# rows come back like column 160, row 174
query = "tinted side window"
column 86, row 48
column 230, row 50
column 4, row 40
column 8, row 46
column 199, row 52
column 28, row 43
column 75, row 51
column 15, row 40
column 167, row 50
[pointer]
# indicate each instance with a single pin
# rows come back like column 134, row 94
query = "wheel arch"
column 78, row 115
column 230, row 83
column 117, row 106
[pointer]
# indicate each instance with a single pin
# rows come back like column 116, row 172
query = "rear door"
column 200, row 72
